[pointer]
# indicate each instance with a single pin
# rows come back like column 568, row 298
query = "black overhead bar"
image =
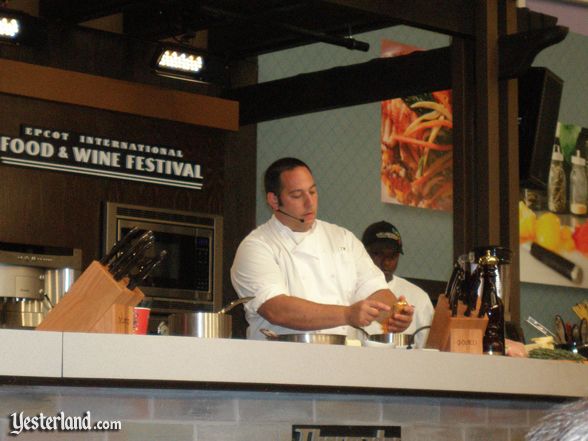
column 379, row 79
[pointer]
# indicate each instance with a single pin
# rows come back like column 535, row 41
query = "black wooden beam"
column 452, row 18
column 375, row 80
column 509, row 174
column 464, row 160
column 517, row 51
column 379, row 79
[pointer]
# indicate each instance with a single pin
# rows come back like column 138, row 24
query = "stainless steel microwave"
column 190, row 277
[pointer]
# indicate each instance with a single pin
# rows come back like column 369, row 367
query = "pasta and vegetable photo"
column 417, row 151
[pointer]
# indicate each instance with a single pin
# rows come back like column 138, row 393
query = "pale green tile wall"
column 342, row 148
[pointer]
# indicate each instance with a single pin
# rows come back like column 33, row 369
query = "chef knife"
column 576, row 338
column 146, row 270
column 540, row 327
column 128, row 244
column 452, row 290
column 134, row 256
column 119, row 245
column 449, row 288
column 472, row 288
column 563, row 266
column 126, row 250
column 584, row 331
column 560, row 330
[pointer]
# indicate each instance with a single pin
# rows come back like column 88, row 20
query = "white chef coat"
column 327, row 265
column 423, row 309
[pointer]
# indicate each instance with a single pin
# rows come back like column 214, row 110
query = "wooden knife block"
column 456, row 334
column 94, row 303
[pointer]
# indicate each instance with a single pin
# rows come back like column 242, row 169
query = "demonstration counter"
column 260, row 387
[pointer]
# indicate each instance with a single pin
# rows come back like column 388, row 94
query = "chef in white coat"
column 306, row 274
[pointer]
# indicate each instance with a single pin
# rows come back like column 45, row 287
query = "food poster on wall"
column 416, row 146
column 553, row 224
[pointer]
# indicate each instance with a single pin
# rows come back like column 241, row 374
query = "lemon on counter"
column 548, row 233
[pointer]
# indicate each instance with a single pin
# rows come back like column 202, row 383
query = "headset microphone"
column 289, row 215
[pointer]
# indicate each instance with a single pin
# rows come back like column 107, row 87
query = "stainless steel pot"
column 392, row 338
column 306, row 337
column 395, row 339
column 200, row 324
column 204, row 324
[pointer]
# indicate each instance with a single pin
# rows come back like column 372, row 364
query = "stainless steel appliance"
column 190, row 277
column 33, row 278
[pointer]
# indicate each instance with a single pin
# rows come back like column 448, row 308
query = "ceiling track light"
column 181, row 64
column 9, row 27
column 16, row 27
column 189, row 64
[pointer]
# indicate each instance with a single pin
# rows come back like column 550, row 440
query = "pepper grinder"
column 491, row 304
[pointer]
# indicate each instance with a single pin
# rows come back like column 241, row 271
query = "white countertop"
column 189, row 359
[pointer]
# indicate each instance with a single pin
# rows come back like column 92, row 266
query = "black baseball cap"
column 382, row 232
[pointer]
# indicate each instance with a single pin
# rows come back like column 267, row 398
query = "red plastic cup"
column 140, row 320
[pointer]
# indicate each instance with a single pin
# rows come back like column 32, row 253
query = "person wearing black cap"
column 383, row 243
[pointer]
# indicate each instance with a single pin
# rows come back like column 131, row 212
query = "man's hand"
column 515, row 348
column 364, row 312
column 402, row 319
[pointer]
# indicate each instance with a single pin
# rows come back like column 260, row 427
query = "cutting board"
column 94, row 303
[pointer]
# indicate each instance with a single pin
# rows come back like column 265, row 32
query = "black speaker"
column 539, row 100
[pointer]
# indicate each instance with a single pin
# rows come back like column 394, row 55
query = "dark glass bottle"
column 492, row 305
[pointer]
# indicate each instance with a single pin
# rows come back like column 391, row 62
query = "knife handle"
column 563, row 266
column 127, row 238
column 129, row 252
column 146, row 270
column 133, row 258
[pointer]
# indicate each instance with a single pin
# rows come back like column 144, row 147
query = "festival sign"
column 89, row 154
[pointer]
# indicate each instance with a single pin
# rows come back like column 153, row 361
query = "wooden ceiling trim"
column 81, row 89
